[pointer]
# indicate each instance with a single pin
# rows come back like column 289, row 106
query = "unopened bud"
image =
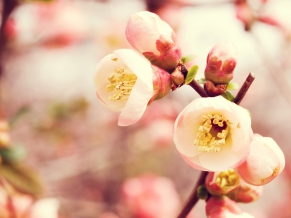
column 154, row 38
column 162, row 83
column 246, row 193
column 221, row 62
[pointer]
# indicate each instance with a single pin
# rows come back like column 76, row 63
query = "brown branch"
column 7, row 8
column 243, row 90
column 199, row 89
column 193, row 198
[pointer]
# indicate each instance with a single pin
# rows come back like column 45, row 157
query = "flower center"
column 122, row 82
column 227, row 178
column 212, row 133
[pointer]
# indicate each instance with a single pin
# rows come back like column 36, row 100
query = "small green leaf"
column 191, row 74
column 201, row 81
column 22, row 178
column 227, row 95
column 18, row 115
column 13, row 153
column 202, row 192
column 232, row 86
column 186, row 59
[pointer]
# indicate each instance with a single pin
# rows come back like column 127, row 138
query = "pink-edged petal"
column 271, row 144
column 136, row 104
column 193, row 162
column 139, row 65
column 221, row 162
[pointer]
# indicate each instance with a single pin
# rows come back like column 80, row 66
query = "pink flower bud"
column 126, row 82
column 162, row 83
column 213, row 134
column 246, row 193
column 154, row 38
column 245, row 13
column 265, row 162
column 150, row 196
column 221, row 62
column 223, row 207
column 220, row 183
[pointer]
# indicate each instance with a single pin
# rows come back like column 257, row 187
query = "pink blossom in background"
column 265, row 162
column 213, row 134
column 223, row 207
column 126, row 82
column 245, row 13
column 56, row 23
column 150, row 196
column 220, row 183
column 154, row 38
column 221, row 62
column 246, row 193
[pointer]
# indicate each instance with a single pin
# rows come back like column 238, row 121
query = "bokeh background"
column 58, row 128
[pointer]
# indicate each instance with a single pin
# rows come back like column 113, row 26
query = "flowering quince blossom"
column 213, row 134
column 221, row 62
column 220, row 183
column 151, row 196
column 223, row 207
column 265, row 162
column 246, row 193
column 126, row 82
column 154, row 38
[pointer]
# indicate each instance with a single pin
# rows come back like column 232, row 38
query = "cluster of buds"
column 128, row 80
column 211, row 134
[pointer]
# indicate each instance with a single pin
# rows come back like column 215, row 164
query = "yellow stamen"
column 212, row 133
column 122, row 82
column 227, row 178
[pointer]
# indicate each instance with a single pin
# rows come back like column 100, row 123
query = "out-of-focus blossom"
column 154, row 38
column 108, row 215
column 277, row 13
column 264, row 163
column 55, row 23
column 44, row 208
column 18, row 205
column 4, row 134
column 221, row 62
column 246, row 193
column 126, row 82
column 220, row 183
column 245, row 13
column 150, row 196
column 223, row 207
column 213, row 134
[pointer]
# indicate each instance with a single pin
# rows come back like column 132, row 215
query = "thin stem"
column 243, row 90
column 193, row 198
column 199, row 89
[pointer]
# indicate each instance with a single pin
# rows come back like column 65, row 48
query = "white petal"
column 218, row 161
column 138, row 64
column 104, row 69
column 136, row 104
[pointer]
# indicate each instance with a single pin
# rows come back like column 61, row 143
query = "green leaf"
column 232, row 86
column 191, row 74
column 19, row 114
column 202, row 192
column 228, row 95
column 12, row 154
column 186, row 59
column 22, row 178
column 201, row 81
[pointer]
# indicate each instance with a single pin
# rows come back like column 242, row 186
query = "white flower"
column 124, row 83
column 213, row 134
